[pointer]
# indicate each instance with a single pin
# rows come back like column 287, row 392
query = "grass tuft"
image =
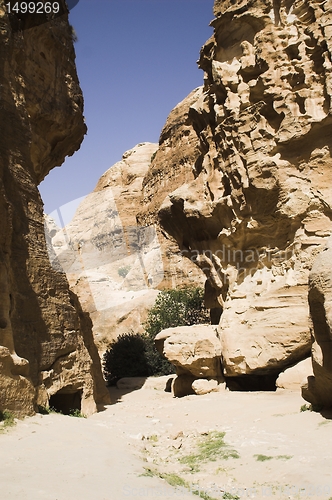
column 178, row 482
column 210, row 449
column 48, row 410
column 7, row 419
column 305, row 408
column 264, row 458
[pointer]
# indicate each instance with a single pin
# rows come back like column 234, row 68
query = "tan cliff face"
column 113, row 263
column 253, row 207
column 46, row 343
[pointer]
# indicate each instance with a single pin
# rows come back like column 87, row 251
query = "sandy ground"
column 147, row 439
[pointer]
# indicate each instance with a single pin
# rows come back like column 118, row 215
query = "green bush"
column 7, row 419
column 134, row 355
column 183, row 307
column 177, row 308
column 125, row 358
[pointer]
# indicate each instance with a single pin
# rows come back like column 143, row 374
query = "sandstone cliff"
column 116, row 266
column 253, row 148
column 318, row 390
column 46, row 344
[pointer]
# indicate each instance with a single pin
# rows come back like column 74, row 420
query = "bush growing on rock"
column 183, row 307
column 134, row 355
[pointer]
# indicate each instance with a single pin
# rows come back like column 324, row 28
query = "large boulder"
column 294, row 377
column 264, row 335
column 203, row 386
column 194, row 350
column 318, row 389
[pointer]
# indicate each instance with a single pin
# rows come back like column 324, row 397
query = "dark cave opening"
column 215, row 315
column 66, row 401
column 247, row 383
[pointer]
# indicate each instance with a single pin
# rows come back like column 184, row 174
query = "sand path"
column 56, row 457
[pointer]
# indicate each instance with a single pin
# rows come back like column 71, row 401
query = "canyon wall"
column 46, row 344
column 254, row 207
column 115, row 265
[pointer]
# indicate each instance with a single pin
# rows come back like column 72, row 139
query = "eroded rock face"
column 115, row 265
column 318, row 390
column 46, row 343
column 193, row 350
column 255, row 207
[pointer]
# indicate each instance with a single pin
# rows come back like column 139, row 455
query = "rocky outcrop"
column 114, row 264
column 195, row 352
column 253, row 146
column 46, row 344
column 192, row 349
column 318, row 389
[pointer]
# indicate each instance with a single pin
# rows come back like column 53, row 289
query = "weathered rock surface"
column 193, row 350
column 113, row 264
column 318, row 389
column 294, row 377
column 269, row 345
column 202, row 386
column 253, row 147
column 46, row 343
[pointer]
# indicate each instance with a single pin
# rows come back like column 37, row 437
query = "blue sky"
column 136, row 59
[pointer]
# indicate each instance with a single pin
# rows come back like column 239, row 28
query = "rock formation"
column 113, row 264
column 318, row 390
column 46, row 344
column 195, row 352
column 253, row 148
column 294, row 377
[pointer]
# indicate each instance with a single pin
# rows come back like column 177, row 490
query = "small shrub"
column 158, row 364
column 305, row 408
column 153, row 156
column 125, row 358
column 44, row 410
column 76, row 413
column 7, row 419
column 123, row 271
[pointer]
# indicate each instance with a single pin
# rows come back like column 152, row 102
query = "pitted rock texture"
column 254, row 208
column 46, row 342
column 193, row 350
column 115, row 265
column 318, row 389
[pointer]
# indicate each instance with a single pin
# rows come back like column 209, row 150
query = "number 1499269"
column 33, row 7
